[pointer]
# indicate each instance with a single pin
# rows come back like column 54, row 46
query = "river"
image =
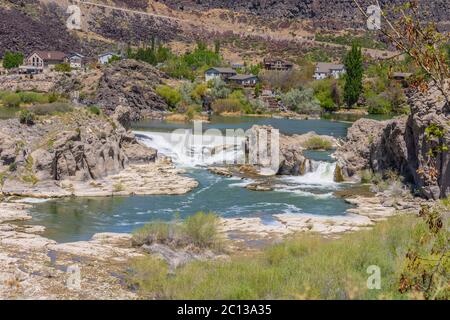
column 76, row 219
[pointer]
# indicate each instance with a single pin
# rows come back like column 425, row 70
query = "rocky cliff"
column 335, row 15
column 77, row 146
column 416, row 146
column 131, row 84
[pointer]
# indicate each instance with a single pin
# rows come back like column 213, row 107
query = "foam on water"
column 189, row 150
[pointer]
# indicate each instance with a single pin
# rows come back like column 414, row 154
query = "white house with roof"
column 45, row 59
column 325, row 70
column 221, row 73
column 75, row 60
column 105, row 57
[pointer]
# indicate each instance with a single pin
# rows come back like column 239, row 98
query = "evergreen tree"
column 353, row 79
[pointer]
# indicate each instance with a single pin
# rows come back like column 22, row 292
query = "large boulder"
column 291, row 160
column 427, row 138
column 415, row 146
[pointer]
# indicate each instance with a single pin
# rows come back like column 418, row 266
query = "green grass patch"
column 200, row 230
column 318, row 143
column 304, row 267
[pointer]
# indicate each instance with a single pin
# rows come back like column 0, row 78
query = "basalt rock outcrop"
column 344, row 13
column 78, row 146
column 289, row 160
column 415, row 146
column 131, row 84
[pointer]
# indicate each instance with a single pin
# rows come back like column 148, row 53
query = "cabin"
column 245, row 80
column 45, row 59
column 75, row 60
column 221, row 73
column 328, row 70
column 278, row 64
column 106, row 57
column 401, row 77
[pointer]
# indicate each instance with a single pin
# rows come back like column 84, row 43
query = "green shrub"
column 227, row 105
column 12, row 60
column 378, row 105
column 95, row 110
column 201, row 229
column 366, row 176
column 63, row 67
column 318, row 143
column 26, row 117
column 219, row 89
column 301, row 101
column 53, row 97
column 11, row 100
column 170, row 95
column 33, row 97
column 192, row 111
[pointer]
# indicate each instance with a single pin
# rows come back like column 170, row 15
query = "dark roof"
column 275, row 60
column 223, row 70
column 50, row 55
column 75, row 54
column 242, row 77
column 325, row 67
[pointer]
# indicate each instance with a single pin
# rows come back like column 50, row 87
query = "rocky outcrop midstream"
column 415, row 146
column 291, row 160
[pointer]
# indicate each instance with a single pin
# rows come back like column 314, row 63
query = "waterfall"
column 320, row 174
column 188, row 150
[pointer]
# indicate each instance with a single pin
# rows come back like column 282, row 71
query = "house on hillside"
column 325, row 70
column 278, row 64
column 105, row 57
column 401, row 77
column 75, row 60
column 245, row 80
column 222, row 73
column 45, row 59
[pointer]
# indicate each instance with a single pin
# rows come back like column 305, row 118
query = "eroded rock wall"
column 415, row 146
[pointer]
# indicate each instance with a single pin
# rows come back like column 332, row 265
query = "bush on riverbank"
column 305, row 267
column 15, row 99
column 318, row 143
column 200, row 230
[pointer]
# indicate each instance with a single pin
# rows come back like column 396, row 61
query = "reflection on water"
column 286, row 126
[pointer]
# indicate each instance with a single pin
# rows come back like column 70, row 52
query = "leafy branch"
column 421, row 41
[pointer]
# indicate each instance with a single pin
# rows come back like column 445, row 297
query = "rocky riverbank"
column 34, row 267
column 81, row 154
column 414, row 146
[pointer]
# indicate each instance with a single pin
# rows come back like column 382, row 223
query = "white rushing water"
column 188, row 150
column 321, row 174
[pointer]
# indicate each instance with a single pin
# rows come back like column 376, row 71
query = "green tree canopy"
column 12, row 60
column 353, row 79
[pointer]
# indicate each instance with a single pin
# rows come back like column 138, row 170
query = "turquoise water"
column 328, row 127
column 78, row 219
